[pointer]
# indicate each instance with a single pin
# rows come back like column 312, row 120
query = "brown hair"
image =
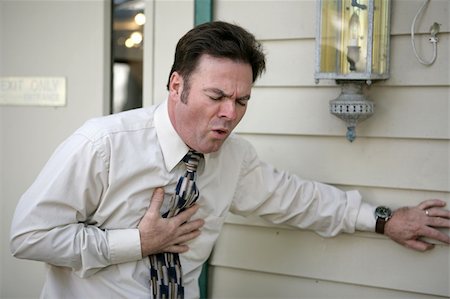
column 218, row 39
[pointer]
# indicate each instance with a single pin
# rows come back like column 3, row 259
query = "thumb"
column 157, row 200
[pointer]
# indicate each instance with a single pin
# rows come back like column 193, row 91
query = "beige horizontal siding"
column 270, row 19
column 403, row 12
column 254, row 284
column 305, row 111
column 347, row 259
column 396, row 197
column 407, row 71
column 393, row 163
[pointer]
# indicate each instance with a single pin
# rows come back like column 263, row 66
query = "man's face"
column 214, row 104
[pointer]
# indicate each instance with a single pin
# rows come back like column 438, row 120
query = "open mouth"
column 221, row 132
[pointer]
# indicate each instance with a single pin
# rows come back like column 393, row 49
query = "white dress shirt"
column 81, row 214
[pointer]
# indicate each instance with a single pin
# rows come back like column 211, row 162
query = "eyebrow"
column 223, row 94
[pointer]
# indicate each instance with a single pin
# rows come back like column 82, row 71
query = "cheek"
column 196, row 119
column 240, row 113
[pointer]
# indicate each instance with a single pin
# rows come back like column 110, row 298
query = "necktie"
column 166, row 273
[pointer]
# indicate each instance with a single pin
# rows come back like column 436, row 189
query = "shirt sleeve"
column 52, row 219
column 283, row 198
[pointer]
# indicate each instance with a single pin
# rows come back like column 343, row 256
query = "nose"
column 228, row 109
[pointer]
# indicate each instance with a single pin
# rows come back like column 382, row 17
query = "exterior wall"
column 400, row 157
column 168, row 26
column 45, row 38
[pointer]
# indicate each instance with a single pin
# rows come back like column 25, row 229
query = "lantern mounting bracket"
column 356, row 4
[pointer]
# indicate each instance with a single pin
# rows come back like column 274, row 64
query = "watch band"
column 379, row 227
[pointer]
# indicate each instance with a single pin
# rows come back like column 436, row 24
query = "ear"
column 175, row 85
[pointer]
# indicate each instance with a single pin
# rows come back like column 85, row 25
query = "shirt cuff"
column 365, row 220
column 124, row 245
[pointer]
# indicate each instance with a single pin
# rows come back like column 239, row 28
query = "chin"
column 212, row 148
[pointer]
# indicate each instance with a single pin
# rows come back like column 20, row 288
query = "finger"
column 157, row 200
column 419, row 245
column 435, row 234
column 177, row 248
column 424, row 205
column 438, row 222
column 191, row 226
column 186, row 214
column 187, row 237
column 435, row 212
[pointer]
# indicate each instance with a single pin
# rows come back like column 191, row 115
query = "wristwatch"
column 382, row 215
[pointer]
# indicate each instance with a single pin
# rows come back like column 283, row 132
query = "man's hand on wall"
column 409, row 226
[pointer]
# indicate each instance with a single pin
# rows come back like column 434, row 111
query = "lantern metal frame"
column 352, row 105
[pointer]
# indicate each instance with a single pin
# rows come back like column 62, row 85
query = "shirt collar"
column 172, row 146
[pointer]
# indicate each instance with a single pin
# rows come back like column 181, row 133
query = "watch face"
column 383, row 212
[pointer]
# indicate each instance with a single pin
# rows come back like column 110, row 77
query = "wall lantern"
column 352, row 48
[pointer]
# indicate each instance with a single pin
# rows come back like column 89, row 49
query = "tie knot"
column 191, row 159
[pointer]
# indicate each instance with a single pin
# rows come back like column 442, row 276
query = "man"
column 91, row 216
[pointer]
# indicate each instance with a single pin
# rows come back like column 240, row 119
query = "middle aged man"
column 89, row 215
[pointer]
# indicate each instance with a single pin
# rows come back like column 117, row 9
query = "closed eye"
column 216, row 98
column 218, row 95
column 243, row 102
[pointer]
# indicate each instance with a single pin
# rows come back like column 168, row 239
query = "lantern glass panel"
column 354, row 39
column 381, row 36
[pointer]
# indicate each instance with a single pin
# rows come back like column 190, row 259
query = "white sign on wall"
column 33, row 91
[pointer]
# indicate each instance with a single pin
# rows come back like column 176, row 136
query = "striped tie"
column 166, row 273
